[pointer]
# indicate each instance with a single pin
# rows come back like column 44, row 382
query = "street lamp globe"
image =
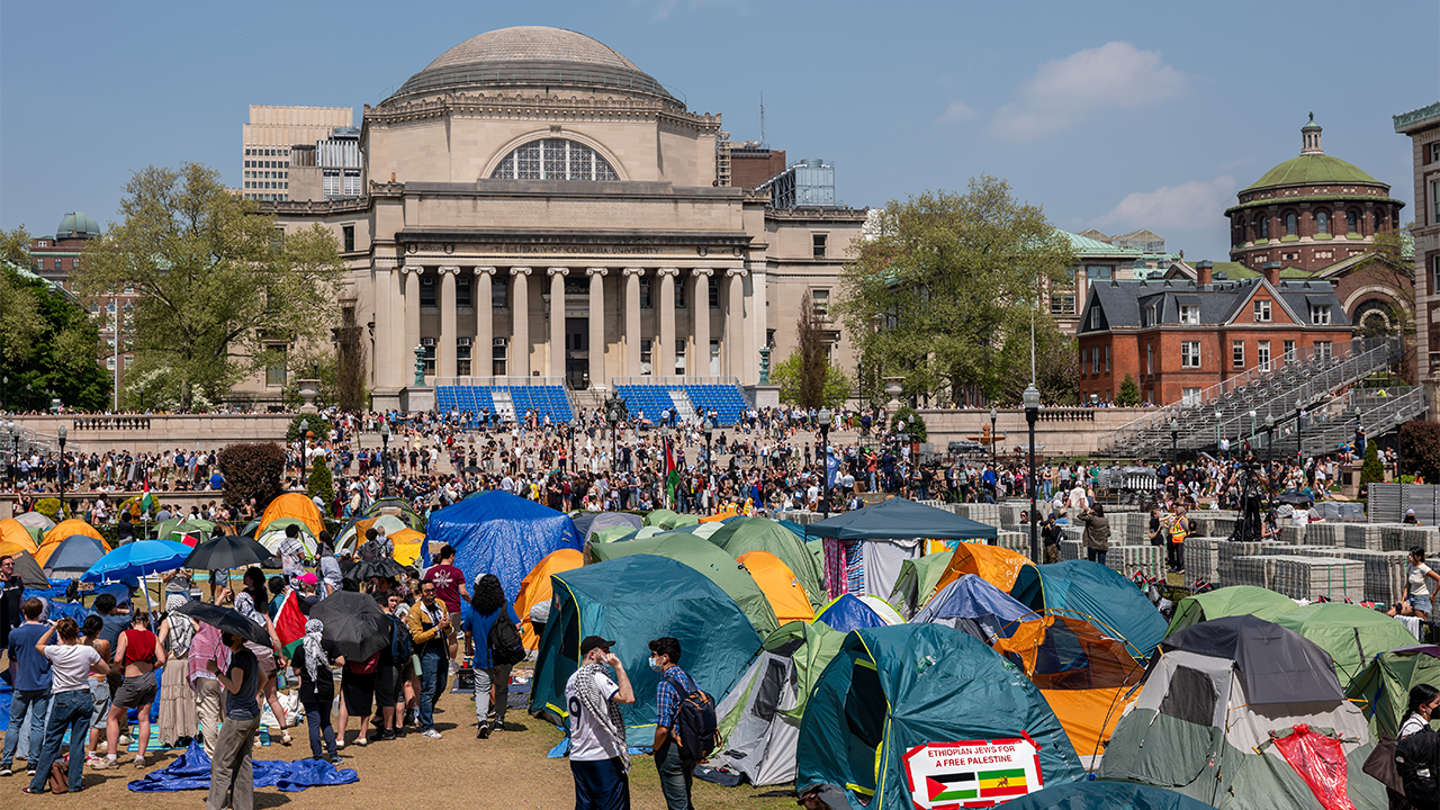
column 1031, row 397
column 709, row 427
column 1269, row 422
column 825, row 416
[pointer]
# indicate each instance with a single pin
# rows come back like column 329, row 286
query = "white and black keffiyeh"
column 245, row 606
column 314, row 652
column 182, row 629
column 605, row 712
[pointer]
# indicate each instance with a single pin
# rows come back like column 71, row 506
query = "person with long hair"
column 492, row 679
column 245, row 604
column 1424, row 701
column 99, row 687
column 71, row 704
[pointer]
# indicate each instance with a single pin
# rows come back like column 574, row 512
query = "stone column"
column 387, row 289
column 412, row 319
column 480, row 363
column 557, row 321
column 664, row 359
column 597, row 326
column 445, row 343
column 699, row 364
column 632, row 321
column 520, row 323
column 735, row 323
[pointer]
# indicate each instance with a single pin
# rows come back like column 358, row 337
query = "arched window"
column 1291, row 225
column 1265, row 227
column 1352, row 222
column 1322, row 222
column 1376, row 218
column 554, row 159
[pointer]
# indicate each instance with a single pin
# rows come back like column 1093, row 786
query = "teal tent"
column 632, row 600
column 891, row 689
column 1099, row 595
column 748, row 534
column 1105, row 796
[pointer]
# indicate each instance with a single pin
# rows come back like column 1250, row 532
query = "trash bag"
column 1320, row 761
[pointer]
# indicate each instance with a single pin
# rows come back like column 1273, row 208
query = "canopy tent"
column 890, row 689
column 1232, row 600
column 706, row 558
column 536, row 588
column 15, row 538
column 759, row 719
column 274, row 534
column 588, row 523
column 67, row 528
column 1105, row 796
column 1383, row 688
column 848, row 612
column 977, row 607
column 1216, row 707
column 1351, row 634
column 498, row 533
column 633, row 600
column 998, row 566
column 787, row 597
column 293, row 505
column 918, row 581
column 1101, row 596
column 748, row 534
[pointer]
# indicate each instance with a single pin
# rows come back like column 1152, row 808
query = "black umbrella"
column 225, row 552
column 353, row 623
column 1294, row 498
column 227, row 619
column 473, row 470
column 368, row 569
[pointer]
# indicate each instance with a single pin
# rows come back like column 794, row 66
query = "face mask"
column 655, row 664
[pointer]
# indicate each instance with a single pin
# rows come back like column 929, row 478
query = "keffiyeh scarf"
column 314, row 653
column 182, row 629
column 245, row 606
column 605, row 712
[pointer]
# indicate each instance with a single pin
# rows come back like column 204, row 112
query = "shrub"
column 252, row 470
column 917, row 431
column 1372, row 471
column 317, row 423
column 321, row 484
column 49, row 507
column 1129, row 395
column 1420, row 449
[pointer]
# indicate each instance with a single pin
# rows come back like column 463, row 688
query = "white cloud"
column 1198, row 203
column 1063, row 92
column 957, row 112
column 664, row 8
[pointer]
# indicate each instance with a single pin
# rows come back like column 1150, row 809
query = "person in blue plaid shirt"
column 676, row 771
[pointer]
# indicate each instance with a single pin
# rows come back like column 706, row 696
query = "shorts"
column 100, row 693
column 358, row 692
column 1421, row 604
column 136, row 691
column 389, row 686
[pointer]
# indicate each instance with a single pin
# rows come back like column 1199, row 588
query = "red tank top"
column 139, row 647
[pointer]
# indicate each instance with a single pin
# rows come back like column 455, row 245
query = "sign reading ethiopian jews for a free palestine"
column 973, row 773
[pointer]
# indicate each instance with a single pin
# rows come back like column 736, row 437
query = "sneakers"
column 430, row 734
column 6, row 772
column 386, row 734
column 362, row 741
column 124, row 739
column 339, row 744
column 483, row 733
column 140, row 760
column 106, row 764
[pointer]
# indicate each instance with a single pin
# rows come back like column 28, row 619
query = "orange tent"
column 292, row 505
column 408, row 543
column 536, row 588
column 65, row 528
column 730, row 511
column 14, row 538
column 786, row 595
column 997, row 566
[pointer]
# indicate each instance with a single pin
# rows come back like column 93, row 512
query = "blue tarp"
column 497, row 533
column 1097, row 594
column 191, row 771
column 971, row 597
column 848, row 613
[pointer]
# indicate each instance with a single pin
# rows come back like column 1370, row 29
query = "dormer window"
column 1320, row 315
column 1190, row 314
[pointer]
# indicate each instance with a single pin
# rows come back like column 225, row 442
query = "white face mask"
column 655, row 664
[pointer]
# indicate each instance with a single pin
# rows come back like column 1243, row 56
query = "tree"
column 945, row 287
column 837, row 384
column 1390, row 265
column 810, row 340
column 252, row 470
column 48, row 342
column 1420, row 441
column 219, row 285
column 1372, row 471
column 1129, row 395
column 321, row 484
column 910, row 421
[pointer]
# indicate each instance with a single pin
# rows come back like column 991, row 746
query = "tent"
column 71, row 557
column 709, row 560
column 498, row 533
column 535, row 588
column 891, row 690
column 66, row 528
column 977, row 607
column 665, row 519
column 1216, row 709
column 760, row 716
column 274, row 534
column 1232, row 600
column 15, row 538
column 397, row 507
column 848, row 612
column 35, row 520
column 353, row 534
column 865, row 548
column 1383, row 689
column 588, row 523
column 293, row 505
column 998, row 566
column 1105, row 796
column 1101, row 596
column 919, row 579
column 1351, row 634
column 633, row 600
column 762, row 534
column 787, row 597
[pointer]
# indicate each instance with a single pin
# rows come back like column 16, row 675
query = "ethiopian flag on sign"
column 290, row 624
column 1002, row 783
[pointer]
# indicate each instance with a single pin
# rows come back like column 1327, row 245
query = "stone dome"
column 531, row 56
column 77, row 225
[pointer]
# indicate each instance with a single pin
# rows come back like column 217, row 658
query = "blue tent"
column 847, row 612
column 1097, row 594
column 972, row 599
column 498, row 533
column 633, row 600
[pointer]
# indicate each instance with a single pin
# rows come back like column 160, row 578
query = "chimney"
column 1272, row 273
column 1202, row 273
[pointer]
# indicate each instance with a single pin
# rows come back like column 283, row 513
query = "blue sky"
column 1113, row 115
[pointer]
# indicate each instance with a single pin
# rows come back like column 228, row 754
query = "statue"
column 764, row 365
column 419, row 365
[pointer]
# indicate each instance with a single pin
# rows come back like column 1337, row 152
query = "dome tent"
column 747, row 534
column 292, row 505
column 919, row 578
column 498, row 533
column 1352, row 634
column 1383, row 688
column 1098, row 594
column 787, row 597
column 850, row 612
column 1232, row 600
column 1105, row 796
column 536, row 588
column 971, row 602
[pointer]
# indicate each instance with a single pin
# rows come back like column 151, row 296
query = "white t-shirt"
column 70, row 666
column 1419, row 583
column 589, row 742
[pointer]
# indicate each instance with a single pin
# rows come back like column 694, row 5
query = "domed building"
column 537, row 208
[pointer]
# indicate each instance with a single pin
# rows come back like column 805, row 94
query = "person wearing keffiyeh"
column 599, row 758
column 317, row 689
column 178, row 718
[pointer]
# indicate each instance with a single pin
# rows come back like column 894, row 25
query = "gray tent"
column 588, row 523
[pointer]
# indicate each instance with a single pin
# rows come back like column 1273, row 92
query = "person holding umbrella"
column 317, row 689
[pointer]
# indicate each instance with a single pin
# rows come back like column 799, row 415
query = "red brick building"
column 1177, row 337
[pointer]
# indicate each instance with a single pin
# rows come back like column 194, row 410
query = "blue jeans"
column 71, row 710
column 28, row 700
column 434, row 672
column 1095, row 556
column 322, row 734
column 676, row 775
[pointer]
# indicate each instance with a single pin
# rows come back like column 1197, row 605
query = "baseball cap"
column 591, row 642
column 308, row 579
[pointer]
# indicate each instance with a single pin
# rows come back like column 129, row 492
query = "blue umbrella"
column 136, row 560
column 73, row 556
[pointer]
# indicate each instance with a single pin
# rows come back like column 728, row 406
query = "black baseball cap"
column 591, row 642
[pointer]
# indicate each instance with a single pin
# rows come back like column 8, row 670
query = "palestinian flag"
column 672, row 475
column 952, row 787
column 147, row 503
column 290, row 624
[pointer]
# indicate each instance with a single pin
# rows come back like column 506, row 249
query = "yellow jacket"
column 423, row 629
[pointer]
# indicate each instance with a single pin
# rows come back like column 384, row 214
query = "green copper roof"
column 1312, row 169
column 1085, row 246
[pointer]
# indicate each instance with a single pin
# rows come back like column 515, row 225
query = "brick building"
column 1423, row 127
column 1177, row 337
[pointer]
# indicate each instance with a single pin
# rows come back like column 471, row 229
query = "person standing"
column 12, row 594
column 232, row 774
column 599, row 762
column 209, row 694
column 1418, row 599
column 431, row 630
column 71, row 705
column 492, row 678
column 1179, row 530
column 178, row 720
column 1097, row 533
column 317, row 689
column 31, row 686
column 676, row 767
column 450, row 590
column 99, row 687
column 1050, row 537
column 139, row 655
column 389, row 675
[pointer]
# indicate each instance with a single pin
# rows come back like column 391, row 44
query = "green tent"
column 1353, row 635
column 666, row 519
column 917, row 581
column 743, row 535
column 1382, row 690
column 891, row 689
column 707, row 558
column 1233, row 600
column 611, row 534
column 633, row 600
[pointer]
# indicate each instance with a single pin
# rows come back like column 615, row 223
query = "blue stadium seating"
column 726, row 400
column 477, row 399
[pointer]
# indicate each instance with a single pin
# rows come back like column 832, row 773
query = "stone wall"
column 160, row 434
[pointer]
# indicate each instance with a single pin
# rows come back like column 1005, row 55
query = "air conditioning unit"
column 462, row 341
column 427, row 342
column 498, row 342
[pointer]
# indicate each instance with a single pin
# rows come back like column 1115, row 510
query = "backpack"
column 505, row 645
column 694, row 728
column 399, row 641
column 1415, row 760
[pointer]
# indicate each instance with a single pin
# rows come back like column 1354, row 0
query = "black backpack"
column 505, row 645
column 1416, row 760
column 399, row 641
column 695, row 728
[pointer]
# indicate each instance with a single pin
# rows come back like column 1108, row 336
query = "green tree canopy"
column 836, row 386
column 217, row 282
column 944, row 288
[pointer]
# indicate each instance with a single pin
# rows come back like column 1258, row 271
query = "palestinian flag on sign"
column 952, row 787
column 290, row 624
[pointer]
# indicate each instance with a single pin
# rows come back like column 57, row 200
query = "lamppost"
column 1218, row 415
column 14, row 449
column 304, row 455
column 994, row 414
column 1299, row 432
column 1270, row 453
column 385, row 448
column 5, row 393
column 60, row 469
column 1252, row 425
column 1174, row 442
column 709, row 428
column 665, row 454
column 1031, row 400
column 612, row 418
column 824, row 418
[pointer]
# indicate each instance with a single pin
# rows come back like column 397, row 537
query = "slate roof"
column 1121, row 302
